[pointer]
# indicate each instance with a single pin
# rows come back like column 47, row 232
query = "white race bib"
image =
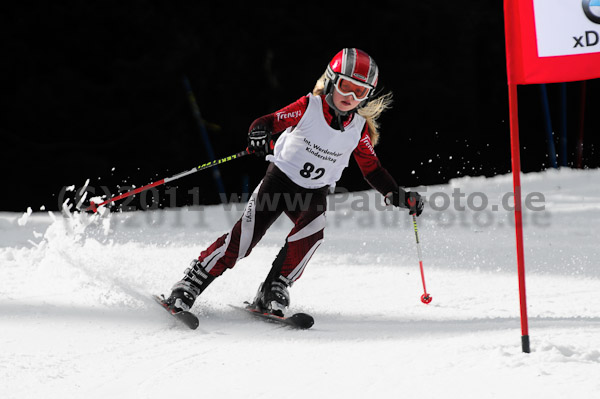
column 313, row 154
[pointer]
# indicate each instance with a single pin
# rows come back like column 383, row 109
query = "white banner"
column 567, row 27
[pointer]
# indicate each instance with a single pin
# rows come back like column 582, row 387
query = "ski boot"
column 185, row 291
column 273, row 296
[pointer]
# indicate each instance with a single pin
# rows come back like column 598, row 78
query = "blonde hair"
column 371, row 111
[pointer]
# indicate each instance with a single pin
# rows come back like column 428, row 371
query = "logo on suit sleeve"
column 366, row 140
column 287, row 115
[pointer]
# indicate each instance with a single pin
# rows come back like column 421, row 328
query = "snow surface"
column 76, row 318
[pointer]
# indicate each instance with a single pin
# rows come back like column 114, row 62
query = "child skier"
column 317, row 135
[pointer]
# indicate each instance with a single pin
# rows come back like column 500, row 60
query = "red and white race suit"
column 309, row 157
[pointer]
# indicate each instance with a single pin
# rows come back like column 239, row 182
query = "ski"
column 301, row 321
column 187, row 318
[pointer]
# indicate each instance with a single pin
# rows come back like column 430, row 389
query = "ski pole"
column 94, row 207
column 425, row 298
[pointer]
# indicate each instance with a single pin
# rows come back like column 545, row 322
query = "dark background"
column 93, row 90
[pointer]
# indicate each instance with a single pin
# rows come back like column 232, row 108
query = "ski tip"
column 188, row 319
column 302, row 320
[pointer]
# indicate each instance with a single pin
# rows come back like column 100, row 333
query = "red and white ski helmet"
column 354, row 64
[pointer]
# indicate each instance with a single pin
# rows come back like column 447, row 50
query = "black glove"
column 406, row 199
column 259, row 141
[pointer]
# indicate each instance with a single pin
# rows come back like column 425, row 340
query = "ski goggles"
column 347, row 86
